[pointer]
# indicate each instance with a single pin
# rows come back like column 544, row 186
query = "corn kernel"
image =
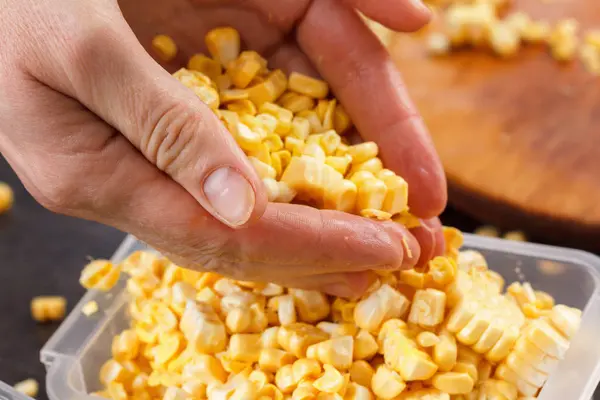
column 306, row 368
column 100, row 274
column 165, row 47
column 362, row 373
column 223, row 45
column 48, row 308
column 488, row 231
column 284, row 379
column 396, row 198
column 365, row 346
column 7, row 197
column 453, row 382
column 125, row 346
column 427, row 339
column 308, row 86
column 332, row 381
column 29, row 387
column 516, row 236
column 341, row 120
column 382, row 304
column 272, row 359
column 206, row 65
column 90, row 308
column 297, row 337
column 341, row 196
column 203, row 328
column 428, row 308
column 336, row 352
column 371, row 194
column 386, row 383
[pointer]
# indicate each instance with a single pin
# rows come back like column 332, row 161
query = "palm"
column 187, row 21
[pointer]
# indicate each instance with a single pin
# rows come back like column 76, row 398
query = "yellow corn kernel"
column 294, row 145
column 328, row 117
column 165, row 47
column 488, row 231
column 312, row 306
column 313, row 119
column 310, row 178
column 428, row 308
column 386, row 383
column 242, row 106
column 330, row 141
column 269, row 90
column 331, row 381
column 453, row 382
column 296, row 102
column 271, row 359
column 396, row 198
column 232, row 95
column 203, row 329
column 296, row 338
column 300, row 128
column 375, row 214
column 29, row 387
column 223, row 44
column 365, row 346
column 263, row 170
column 321, row 109
column 363, row 152
column 566, row 320
column 116, row 391
column 445, row 352
column 374, row 165
column 90, row 308
column 516, row 236
column 341, row 196
column 427, row 339
column 404, row 357
column 206, row 65
column 245, row 347
column 246, row 138
column 284, row 379
column 48, row 308
column 112, row 371
column 260, row 378
column 245, row 68
column 206, row 369
column 272, row 188
column 339, row 163
column 125, row 346
column 382, row 304
column 305, row 391
column 315, row 151
column 341, row 120
column 362, row 373
column 337, row 352
column 308, row 86
column 306, row 368
column 415, row 279
column 100, row 275
column 442, row 270
column 371, row 194
column 338, row 329
column 7, row 197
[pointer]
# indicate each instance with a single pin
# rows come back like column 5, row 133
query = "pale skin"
column 97, row 129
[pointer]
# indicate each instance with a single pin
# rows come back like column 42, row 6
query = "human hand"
column 97, row 129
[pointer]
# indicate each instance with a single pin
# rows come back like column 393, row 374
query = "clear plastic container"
column 76, row 351
column 8, row 393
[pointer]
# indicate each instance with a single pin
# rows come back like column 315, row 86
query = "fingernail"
column 339, row 289
column 230, row 196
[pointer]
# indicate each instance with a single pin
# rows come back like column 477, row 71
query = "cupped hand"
column 97, row 129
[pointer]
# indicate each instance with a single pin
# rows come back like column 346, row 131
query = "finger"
column 399, row 15
column 115, row 78
column 364, row 78
column 431, row 240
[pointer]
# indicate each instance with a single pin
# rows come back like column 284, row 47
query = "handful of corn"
column 445, row 331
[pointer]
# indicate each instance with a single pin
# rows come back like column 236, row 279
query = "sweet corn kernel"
column 48, row 308
column 223, row 45
column 382, row 304
column 296, row 102
column 90, row 308
column 271, row 359
column 308, row 86
column 206, row 65
column 442, row 270
column 341, row 196
column 306, row 369
column 427, row 339
column 284, row 379
column 297, row 337
column 100, row 275
column 386, row 383
column 341, row 120
column 203, row 329
column 361, row 372
column 517, row 236
column 453, row 382
column 336, row 352
column 488, row 231
column 165, row 47
column 29, row 387
column 7, row 197
column 331, row 381
column 428, row 308
column 371, row 194
column 365, row 346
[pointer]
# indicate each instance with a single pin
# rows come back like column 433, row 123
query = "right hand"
column 95, row 128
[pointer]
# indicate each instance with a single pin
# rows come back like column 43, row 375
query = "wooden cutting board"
column 519, row 138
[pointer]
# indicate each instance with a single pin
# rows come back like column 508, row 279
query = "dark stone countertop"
column 42, row 254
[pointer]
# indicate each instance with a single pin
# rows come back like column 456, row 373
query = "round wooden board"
column 519, row 138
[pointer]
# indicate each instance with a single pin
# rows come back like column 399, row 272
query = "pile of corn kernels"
column 491, row 25
column 445, row 331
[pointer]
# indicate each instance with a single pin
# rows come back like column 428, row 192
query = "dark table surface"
column 42, row 254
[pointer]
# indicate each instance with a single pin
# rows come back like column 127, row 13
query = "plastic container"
column 8, row 393
column 76, row 351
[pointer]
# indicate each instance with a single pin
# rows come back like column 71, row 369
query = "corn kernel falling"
column 7, row 197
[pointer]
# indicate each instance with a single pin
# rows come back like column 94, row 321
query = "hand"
column 95, row 128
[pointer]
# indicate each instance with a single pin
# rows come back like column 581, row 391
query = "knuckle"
column 167, row 141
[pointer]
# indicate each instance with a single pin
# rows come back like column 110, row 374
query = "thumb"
column 117, row 80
